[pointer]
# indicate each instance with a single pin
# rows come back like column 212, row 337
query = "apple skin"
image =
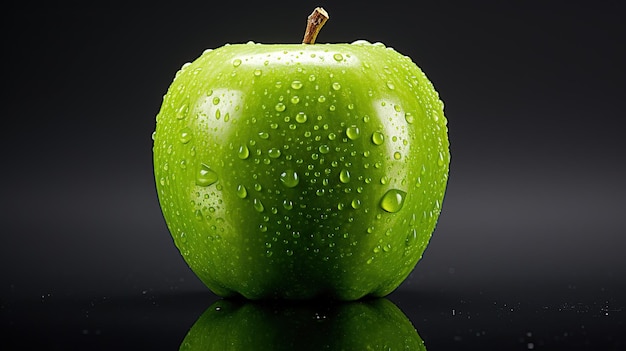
column 298, row 171
column 372, row 324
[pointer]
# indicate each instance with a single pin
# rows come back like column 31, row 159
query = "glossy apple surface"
column 297, row 171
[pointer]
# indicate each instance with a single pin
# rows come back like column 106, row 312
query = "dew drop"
column 393, row 200
column 411, row 237
column 287, row 204
column 216, row 100
column 336, row 86
column 353, row 132
column 356, row 203
column 301, row 117
column 280, row 107
column 258, row 72
column 324, row 149
column 274, row 152
column 390, row 85
column 397, row 155
column 338, row 57
column 289, row 178
column 344, row 176
column 378, row 138
column 205, row 176
column 295, row 99
column 321, row 98
column 264, row 135
column 242, row 192
column 296, row 84
column 243, row 152
column 258, row 205
column 409, row 118
column 185, row 135
column 236, row 63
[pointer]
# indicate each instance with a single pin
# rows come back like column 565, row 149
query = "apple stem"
column 314, row 24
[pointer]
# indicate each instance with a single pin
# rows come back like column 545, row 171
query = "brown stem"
column 314, row 24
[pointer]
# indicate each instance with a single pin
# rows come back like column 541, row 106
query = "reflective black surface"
column 565, row 319
column 529, row 250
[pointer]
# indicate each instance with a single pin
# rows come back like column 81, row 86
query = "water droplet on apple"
column 243, row 152
column 287, row 204
column 289, row 178
column 296, row 84
column 338, row 57
column 264, row 135
column 236, row 63
column 205, row 176
column 258, row 72
column 185, row 135
column 324, row 149
column 336, row 86
column 409, row 118
column 216, row 100
column 274, row 152
column 321, row 98
column 378, row 138
column 393, row 200
column 344, row 176
column 295, row 99
column 411, row 237
column 258, row 205
column 353, row 132
column 390, row 85
column 280, row 107
column 242, row 192
column 356, row 204
column 397, row 155
column 301, row 117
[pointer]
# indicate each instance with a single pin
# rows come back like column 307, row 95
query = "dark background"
column 529, row 250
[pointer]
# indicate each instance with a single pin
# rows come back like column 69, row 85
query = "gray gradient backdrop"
column 534, row 94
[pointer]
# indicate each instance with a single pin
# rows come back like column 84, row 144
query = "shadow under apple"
column 372, row 324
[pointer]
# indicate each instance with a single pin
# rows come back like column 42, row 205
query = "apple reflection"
column 373, row 324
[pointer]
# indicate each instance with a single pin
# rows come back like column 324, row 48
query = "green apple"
column 301, row 170
column 375, row 324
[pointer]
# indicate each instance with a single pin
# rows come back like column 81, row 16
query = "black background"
column 529, row 250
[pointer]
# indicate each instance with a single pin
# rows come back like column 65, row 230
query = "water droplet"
column 216, row 100
column 274, row 152
column 393, row 200
column 236, row 63
column 262, row 228
column 280, row 107
column 257, row 72
column 440, row 160
column 321, row 98
column 264, row 135
column 296, row 84
column 411, row 237
column 356, row 203
column 185, row 135
column 409, row 118
column 338, row 57
column 336, row 86
column 287, row 204
column 378, row 138
column 390, row 85
column 301, row 117
column 289, row 178
column 344, row 176
column 324, row 149
column 295, row 99
column 353, row 132
column 243, row 152
column 397, row 155
column 205, row 176
column 258, row 205
column 242, row 192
